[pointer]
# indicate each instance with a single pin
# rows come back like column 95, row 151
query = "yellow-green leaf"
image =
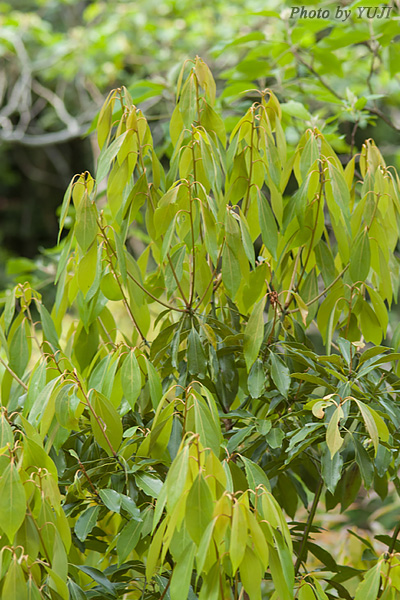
column 239, row 535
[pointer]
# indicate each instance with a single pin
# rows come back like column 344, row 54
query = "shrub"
column 163, row 425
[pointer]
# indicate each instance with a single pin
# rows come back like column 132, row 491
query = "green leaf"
column 255, row 475
column 360, row 257
column 107, row 155
column 188, row 101
column 131, row 379
column 231, row 276
column 19, row 350
column 254, row 334
column 325, row 263
column 154, row 384
column 280, row 374
column 333, row 439
column 251, row 574
column 150, row 484
column 181, row 576
column 237, row 546
column 99, row 578
column 111, row 499
column 199, row 509
column 106, row 425
column 204, row 546
column 64, row 208
column 128, row 539
column 246, row 239
column 86, row 521
column 86, row 223
column 278, row 577
column 110, row 288
column 12, row 501
column 306, row 592
column 197, row 363
column 365, row 463
column 75, row 592
column 49, row 329
column 269, row 230
column 369, row 325
column 6, row 434
column 256, row 379
column 210, row 435
column 331, row 469
column 368, row 589
column 176, row 478
column 14, row 587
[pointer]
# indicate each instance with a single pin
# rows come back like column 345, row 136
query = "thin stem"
column 39, row 531
column 308, row 526
column 178, row 283
column 193, row 274
column 212, row 276
column 295, row 310
column 319, row 196
column 14, row 375
column 166, row 587
column 291, row 286
column 394, row 538
column 246, row 201
column 96, row 417
column 124, row 299
column 182, row 310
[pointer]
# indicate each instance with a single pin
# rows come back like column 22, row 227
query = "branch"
column 44, row 139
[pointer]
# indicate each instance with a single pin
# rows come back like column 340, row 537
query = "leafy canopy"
column 165, row 420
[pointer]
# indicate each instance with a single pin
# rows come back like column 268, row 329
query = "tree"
column 166, row 418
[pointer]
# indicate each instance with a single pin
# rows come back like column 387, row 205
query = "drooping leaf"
column 269, row 230
column 360, row 257
column 131, row 379
column 280, row 374
column 254, row 334
column 180, row 581
column 127, row 539
column 12, row 501
column 197, row 363
column 199, row 509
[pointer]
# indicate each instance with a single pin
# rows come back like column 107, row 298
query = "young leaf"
column 199, row 509
column 86, row 223
column 333, row 439
column 238, row 542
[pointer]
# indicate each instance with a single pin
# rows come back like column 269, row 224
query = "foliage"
column 159, row 421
